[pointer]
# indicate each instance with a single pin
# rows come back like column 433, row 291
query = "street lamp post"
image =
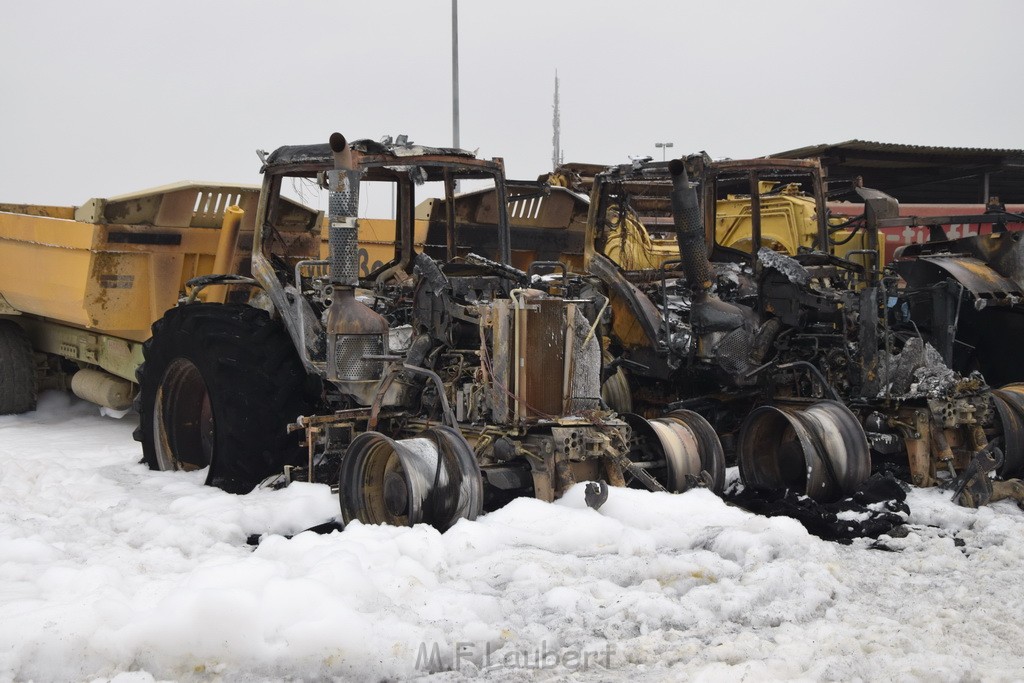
column 663, row 146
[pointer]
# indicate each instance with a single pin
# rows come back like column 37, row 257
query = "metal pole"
column 455, row 73
column 455, row 81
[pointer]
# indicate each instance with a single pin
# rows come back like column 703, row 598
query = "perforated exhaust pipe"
column 689, row 228
column 343, row 207
column 356, row 335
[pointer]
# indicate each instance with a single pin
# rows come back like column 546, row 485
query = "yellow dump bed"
column 115, row 265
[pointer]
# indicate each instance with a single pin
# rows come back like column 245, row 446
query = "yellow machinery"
column 86, row 283
column 115, row 265
column 788, row 223
column 642, row 239
column 788, row 219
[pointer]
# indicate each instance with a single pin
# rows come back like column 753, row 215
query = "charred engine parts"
column 797, row 361
column 356, row 335
column 443, row 383
column 446, row 382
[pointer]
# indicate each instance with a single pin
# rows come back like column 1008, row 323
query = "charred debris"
column 438, row 385
column 452, row 378
column 816, row 370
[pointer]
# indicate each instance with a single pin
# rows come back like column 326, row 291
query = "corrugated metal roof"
column 923, row 173
column 889, row 147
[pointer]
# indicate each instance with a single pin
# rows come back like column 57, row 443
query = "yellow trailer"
column 80, row 286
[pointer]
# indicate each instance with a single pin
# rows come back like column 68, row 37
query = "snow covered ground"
column 108, row 570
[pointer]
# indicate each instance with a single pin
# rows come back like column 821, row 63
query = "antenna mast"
column 556, row 157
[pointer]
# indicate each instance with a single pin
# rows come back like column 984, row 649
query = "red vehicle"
column 899, row 236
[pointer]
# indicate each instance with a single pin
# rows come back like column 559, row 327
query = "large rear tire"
column 218, row 387
column 17, row 370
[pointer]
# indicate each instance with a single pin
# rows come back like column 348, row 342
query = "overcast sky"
column 106, row 97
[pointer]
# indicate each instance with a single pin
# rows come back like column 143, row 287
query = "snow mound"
column 111, row 571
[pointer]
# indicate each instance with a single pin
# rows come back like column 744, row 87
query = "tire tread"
column 18, row 386
column 256, row 382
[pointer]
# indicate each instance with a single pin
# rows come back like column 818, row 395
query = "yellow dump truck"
column 80, row 286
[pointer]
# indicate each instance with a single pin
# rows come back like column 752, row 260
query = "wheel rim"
column 1009, row 403
column 820, row 451
column 712, row 455
column 675, row 447
column 432, row 479
column 681, row 453
column 183, row 422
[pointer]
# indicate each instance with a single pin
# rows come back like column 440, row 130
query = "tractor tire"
column 17, row 370
column 218, row 386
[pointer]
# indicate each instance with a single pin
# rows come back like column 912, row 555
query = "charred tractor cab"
column 796, row 360
column 440, row 384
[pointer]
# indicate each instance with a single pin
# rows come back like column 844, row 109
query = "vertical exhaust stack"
column 354, row 331
column 343, row 207
column 724, row 330
column 689, row 228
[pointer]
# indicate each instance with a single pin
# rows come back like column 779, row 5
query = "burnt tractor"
column 810, row 366
column 441, row 384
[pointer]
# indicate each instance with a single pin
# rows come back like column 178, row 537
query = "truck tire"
column 218, row 386
column 17, row 370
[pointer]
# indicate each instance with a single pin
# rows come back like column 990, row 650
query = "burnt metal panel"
column 975, row 275
column 646, row 313
column 501, row 358
column 1002, row 253
column 542, row 354
column 321, row 154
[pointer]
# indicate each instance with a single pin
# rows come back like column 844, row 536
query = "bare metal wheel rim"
column 820, row 451
column 433, row 478
column 183, row 423
column 676, row 447
column 681, row 456
column 1009, row 404
column 712, row 455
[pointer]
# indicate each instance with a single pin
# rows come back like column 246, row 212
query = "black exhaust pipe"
column 686, row 216
column 724, row 330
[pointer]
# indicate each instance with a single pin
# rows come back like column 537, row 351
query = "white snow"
column 111, row 571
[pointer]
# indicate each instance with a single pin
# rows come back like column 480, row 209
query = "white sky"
column 110, row 96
